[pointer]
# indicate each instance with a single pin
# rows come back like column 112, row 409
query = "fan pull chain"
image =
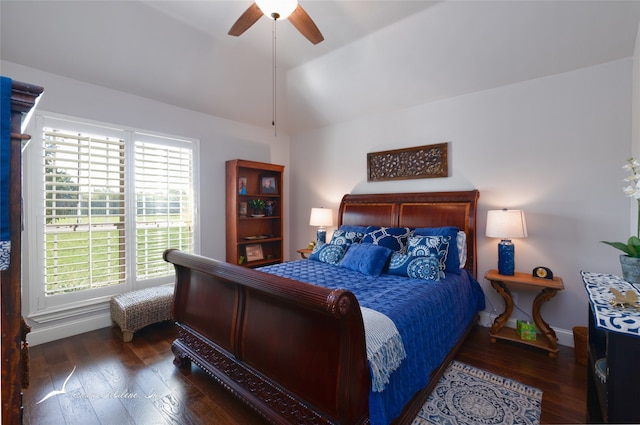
column 273, row 94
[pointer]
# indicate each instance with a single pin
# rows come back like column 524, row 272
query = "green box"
column 526, row 330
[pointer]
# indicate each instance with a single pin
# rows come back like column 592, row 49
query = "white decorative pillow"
column 461, row 241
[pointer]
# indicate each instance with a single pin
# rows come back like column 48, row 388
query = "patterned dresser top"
column 607, row 317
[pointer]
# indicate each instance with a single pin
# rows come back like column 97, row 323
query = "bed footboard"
column 292, row 351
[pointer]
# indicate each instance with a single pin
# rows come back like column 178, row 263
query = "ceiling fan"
column 278, row 9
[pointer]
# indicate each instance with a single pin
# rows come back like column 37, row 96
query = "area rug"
column 467, row 395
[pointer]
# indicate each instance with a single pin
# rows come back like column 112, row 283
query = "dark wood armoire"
column 14, row 367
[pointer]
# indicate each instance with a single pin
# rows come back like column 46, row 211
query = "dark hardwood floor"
column 136, row 383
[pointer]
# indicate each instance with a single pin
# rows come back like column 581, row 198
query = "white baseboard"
column 44, row 334
column 81, row 317
column 565, row 337
column 52, row 332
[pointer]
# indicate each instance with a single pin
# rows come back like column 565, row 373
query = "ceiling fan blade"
column 303, row 23
column 244, row 22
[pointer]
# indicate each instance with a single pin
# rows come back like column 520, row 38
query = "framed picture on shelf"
column 268, row 185
column 243, row 208
column 242, row 185
column 254, row 252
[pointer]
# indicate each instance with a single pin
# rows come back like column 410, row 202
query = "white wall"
column 220, row 140
column 552, row 146
column 635, row 124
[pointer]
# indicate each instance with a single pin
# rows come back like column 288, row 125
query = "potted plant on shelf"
column 257, row 205
column 630, row 260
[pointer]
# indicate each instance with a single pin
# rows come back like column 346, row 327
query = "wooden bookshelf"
column 254, row 238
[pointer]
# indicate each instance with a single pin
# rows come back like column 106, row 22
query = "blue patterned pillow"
column 327, row 253
column 367, row 258
column 394, row 238
column 425, row 246
column 452, row 263
column 346, row 237
column 427, row 268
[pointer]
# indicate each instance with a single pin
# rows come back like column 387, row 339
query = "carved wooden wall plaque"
column 420, row 162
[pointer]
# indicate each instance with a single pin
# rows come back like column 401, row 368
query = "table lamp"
column 321, row 217
column 506, row 224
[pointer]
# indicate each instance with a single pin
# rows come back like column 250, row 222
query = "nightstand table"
column 304, row 252
column 548, row 289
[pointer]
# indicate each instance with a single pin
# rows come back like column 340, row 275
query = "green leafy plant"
column 632, row 247
column 257, row 204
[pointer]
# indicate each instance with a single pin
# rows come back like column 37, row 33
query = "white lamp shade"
column 283, row 8
column 321, row 217
column 506, row 224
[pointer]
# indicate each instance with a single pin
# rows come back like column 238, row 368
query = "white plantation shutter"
column 84, row 211
column 113, row 200
column 164, row 204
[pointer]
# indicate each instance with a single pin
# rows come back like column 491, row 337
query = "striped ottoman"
column 134, row 310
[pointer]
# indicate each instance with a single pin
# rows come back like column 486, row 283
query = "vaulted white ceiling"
column 376, row 54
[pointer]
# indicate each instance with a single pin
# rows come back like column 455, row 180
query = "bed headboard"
column 425, row 209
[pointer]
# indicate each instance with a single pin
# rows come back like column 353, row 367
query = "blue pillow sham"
column 452, row 262
column 346, row 237
column 426, row 268
column 434, row 246
column 328, row 253
column 447, row 248
column 366, row 258
column 394, row 238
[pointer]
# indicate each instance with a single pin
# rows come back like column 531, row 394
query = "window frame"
column 42, row 308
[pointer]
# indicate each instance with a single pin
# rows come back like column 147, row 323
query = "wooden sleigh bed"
column 296, row 352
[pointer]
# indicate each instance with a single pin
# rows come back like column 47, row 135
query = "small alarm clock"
column 542, row 272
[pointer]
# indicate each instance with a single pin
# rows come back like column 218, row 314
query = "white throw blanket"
column 385, row 350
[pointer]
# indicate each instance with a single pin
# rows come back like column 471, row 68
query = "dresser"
column 613, row 379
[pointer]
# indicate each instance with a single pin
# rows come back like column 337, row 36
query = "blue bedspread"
column 430, row 316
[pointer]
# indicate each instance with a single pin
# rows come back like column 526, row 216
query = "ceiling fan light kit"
column 277, row 9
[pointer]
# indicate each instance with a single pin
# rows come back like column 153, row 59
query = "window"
column 105, row 205
column 84, row 221
column 164, row 206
